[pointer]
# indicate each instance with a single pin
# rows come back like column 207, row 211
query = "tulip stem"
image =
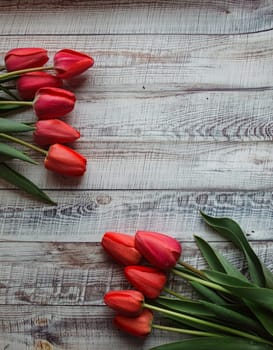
column 16, row 73
column 190, row 268
column 199, row 321
column 24, row 143
column 20, row 103
column 185, row 331
column 170, row 291
column 201, row 281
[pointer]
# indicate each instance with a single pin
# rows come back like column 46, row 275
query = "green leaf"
column 244, row 290
column 232, row 317
column 227, row 227
column 211, row 343
column 189, row 307
column 215, row 260
column 14, row 178
column 193, row 321
column 211, row 311
column 12, row 152
column 262, row 315
column 257, row 299
column 226, row 280
column 7, row 126
column 8, row 91
column 207, row 293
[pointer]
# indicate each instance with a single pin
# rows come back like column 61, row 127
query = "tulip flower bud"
column 50, row 102
column 28, row 84
column 126, row 302
column 53, row 131
column 121, row 247
column 65, row 161
column 69, row 63
column 139, row 326
column 148, row 280
column 158, row 249
column 23, row 58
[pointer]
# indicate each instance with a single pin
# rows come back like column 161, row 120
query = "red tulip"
column 28, row 84
column 148, row 280
column 53, row 131
column 121, row 247
column 50, row 102
column 65, row 161
column 126, row 302
column 23, row 58
column 158, row 249
column 69, row 63
column 139, row 326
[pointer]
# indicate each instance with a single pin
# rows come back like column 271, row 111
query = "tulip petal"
column 158, row 249
column 139, row 326
column 121, row 247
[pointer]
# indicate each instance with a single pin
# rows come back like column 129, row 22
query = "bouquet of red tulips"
column 24, row 82
column 232, row 312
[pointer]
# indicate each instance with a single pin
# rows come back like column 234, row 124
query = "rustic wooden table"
column 175, row 116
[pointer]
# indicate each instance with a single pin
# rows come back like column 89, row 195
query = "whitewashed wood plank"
column 188, row 116
column 88, row 17
column 165, row 62
column 79, row 328
column 81, row 273
column 171, row 116
column 160, row 165
column 85, row 215
column 49, row 273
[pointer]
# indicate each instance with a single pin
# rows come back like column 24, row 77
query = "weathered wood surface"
column 165, row 62
column 157, row 17
column 54, row 291
column 175, row 116
column 55, row 273
column 83, row 216
column 135, row 165
column 76, row 327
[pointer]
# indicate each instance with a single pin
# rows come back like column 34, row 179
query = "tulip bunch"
column 24, row 82
column 231, row 312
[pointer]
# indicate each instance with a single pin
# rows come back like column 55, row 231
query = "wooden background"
column 175, row 116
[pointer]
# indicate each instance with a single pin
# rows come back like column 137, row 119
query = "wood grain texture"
column 76, row 327
column 69, row 281
column 161, row 16
column 164, row 62
column 83, row 216
column 174, row 165
column 168, row 116
column 77, row 274
column 175, row 117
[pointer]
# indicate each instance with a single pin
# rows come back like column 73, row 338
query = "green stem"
column 24, row 143
column 23, row 71
column 215, row 326
column 191, row 268
column 20, row 103
column 177, row 295
column 201, row 281
column 185, row 331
